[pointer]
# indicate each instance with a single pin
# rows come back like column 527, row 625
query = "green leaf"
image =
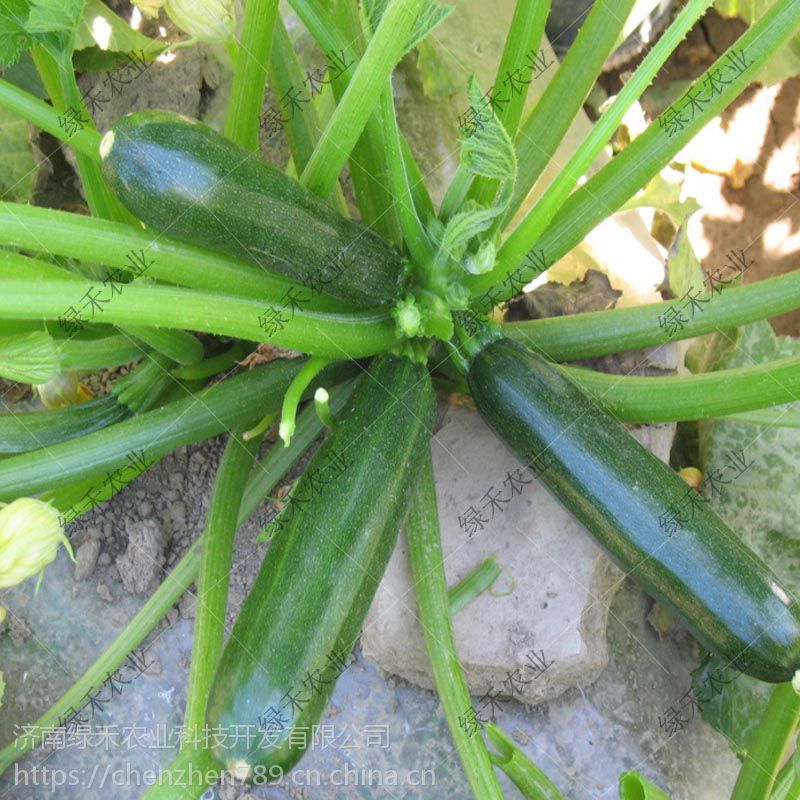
column 14, row 39
column 29, row 357
column 683, row 266
column 100, row 28
column 489, row 151
column 54, row 16
column 432, row 15
column 465, row 225
column 19, row 168
column 780, row 66
column 664, row 195
column 761, row 504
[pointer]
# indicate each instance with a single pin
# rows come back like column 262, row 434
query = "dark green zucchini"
column 186, row 180
column 626, row 497
column 300, row 620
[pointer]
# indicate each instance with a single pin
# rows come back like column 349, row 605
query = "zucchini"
column 691, row 561
column 181, row 177
column 301, row 618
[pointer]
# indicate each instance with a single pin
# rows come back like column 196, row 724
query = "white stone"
column 562, row 583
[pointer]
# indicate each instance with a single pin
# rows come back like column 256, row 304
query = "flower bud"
column 206, row 20
column 30, row 532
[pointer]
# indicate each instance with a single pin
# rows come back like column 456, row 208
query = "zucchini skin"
column 320, row 574
column 730, row 600
column 183, row 178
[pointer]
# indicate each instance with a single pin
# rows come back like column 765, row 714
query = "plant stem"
column 113, row 244
column 600, row 333
column 214, row 364
column 539, row 217
column 416, row 240
column 676, row 398
column 525, row 34
column 767, row 744
column 291, row 399
column 250, row 74
column 154, row 609
column 177, row 345
column 361, row 96
column 224, row 406
column 472, row 584
column 633, row 786
column 323, row 410
column 544, row 127
column 631, row 169
column 427, row 568
column 354, row 335
column 771, row 417
column 88, row 355
column 58, row 78
column 524, row 774
column 44, row 116
column 217, row 541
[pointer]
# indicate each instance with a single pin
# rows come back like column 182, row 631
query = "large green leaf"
column 103, row 38
column 762, row 504
column 14, row 38
column 19, row 168
column 786, row 62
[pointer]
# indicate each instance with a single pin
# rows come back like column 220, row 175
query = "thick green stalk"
column 224, row 406
column 472, row 584
column 524, row 774
column 767, row 743
column 369, row 167
column 58, row 78
column 644, row 158
column 545, row 126
column 675, row 398
column 427, row 568
column 633, row 786
column 600, row 333
column 361, row 96
column 354, row 335
column 250, row 73
column 217, row 541
column 131, row 249
column 787, row 782
column 154, row 609
column 37, row 112
column 524, row 35
column 177, row 345
column 772, row 417
column 416, row 240
column 213, row 365
column 539, row 217
column 88, row 355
